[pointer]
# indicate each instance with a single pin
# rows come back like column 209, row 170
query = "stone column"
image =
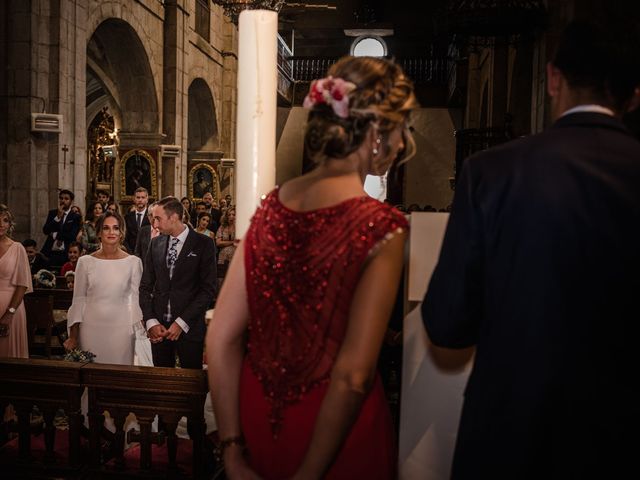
column 175, row 100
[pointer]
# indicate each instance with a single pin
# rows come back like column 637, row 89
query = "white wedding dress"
column 105, row 304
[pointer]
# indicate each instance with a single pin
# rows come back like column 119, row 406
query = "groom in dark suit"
column 178, row 284
column 540, row 270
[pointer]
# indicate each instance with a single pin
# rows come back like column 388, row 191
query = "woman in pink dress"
column 299, row 322
column 15, row 281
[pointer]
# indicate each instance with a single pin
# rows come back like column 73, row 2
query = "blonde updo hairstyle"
column 383, row 98
column 5, row 212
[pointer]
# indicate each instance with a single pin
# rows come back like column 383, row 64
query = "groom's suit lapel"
column 187, row 248
column 161, row 255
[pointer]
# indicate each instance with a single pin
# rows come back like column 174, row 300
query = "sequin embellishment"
column 302, row 269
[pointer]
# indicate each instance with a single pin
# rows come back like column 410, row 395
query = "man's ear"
column 554, row 79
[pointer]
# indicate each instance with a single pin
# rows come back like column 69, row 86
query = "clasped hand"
column 158, row 333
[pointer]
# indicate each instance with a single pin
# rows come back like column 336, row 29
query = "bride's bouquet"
column 77, row 355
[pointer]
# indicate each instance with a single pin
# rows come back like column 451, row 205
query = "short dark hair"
column 171, row 205
column 29, row 242
column 64, row 191
column 201, row 203
column 602, row 59
column 141, row 189
column 76, row 244
column 103, row 192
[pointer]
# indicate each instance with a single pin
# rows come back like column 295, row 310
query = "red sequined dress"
column 302, row 269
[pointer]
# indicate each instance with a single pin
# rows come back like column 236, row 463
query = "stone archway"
column 120, row 78
column 202, row 123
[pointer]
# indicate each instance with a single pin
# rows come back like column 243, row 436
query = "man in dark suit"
column 61, row 228
column 178, row 284
column 146, row 234
column 136, row 219
column 539, row 270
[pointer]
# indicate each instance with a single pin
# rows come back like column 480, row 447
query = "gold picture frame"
column 202, row 179
column 137, row 169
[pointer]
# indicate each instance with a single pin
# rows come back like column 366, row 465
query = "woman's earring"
column 375, row 149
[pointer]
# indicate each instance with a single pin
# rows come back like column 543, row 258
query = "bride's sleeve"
column 80, row 286
column 136, row 275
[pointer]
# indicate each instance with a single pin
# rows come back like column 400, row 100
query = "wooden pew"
column 50, row 385
column 146, row 391
column 61, row 297
column 40, row 306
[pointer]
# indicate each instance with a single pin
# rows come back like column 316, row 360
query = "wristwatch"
column 11, row 310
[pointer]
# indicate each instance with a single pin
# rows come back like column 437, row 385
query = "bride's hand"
column 70, row 343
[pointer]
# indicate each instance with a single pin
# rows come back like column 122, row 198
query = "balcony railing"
column 421, row 70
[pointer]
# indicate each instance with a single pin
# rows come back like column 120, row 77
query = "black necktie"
column 139, row 220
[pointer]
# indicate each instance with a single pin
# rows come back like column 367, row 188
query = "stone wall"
column 145, row 74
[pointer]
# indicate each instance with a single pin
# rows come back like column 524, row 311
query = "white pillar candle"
column 256, row 120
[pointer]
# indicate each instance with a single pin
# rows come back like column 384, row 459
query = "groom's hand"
column 157, row 333
column 173, row 332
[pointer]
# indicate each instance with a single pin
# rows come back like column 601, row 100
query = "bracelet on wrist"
column 227, row 442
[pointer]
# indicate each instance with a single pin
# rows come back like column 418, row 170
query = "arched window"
column 368, row 46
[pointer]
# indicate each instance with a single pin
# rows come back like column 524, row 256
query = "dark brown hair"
column 117, row 216
column 383, row 96
column 172, row 205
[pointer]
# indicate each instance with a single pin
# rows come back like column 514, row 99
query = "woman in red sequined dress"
column 301, row 317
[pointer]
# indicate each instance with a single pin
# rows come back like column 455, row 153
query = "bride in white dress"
column 105, row 312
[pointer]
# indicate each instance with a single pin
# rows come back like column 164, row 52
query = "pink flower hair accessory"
column 330, row 91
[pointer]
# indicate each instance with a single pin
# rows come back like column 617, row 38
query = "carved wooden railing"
column 50, row 385
column 145, row 391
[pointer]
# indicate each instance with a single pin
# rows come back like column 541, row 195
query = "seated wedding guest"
column 37, row 261
column 76, row 209
column 146, row 234
column 226, row 236
column 293, row 343
column 188, row 206
column 200, row 207
column 103, row 197
column 61, row 227
column 15, row 281
column 88, row 236
column 69, row 278
column 213, row 210
column 113, row 207
column 203, row 225
column 105, row 308
column 186, row 218
column 75, row 250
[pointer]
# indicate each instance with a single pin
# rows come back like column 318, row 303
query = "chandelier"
column 232, row 8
